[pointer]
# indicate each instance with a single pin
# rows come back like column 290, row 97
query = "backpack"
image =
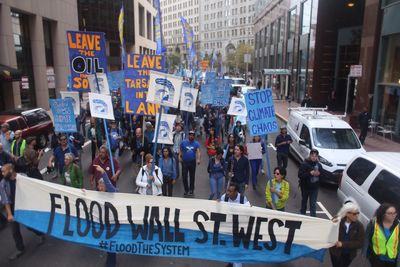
column 241, row 198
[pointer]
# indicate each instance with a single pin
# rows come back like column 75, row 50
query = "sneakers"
column 185, row 194
column 16, row 255
column 262, row 172
column 191, row 194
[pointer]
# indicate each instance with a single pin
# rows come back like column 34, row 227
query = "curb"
column 281, row 117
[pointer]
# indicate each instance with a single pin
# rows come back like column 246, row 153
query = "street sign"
column 247, row 58
column 355, row 71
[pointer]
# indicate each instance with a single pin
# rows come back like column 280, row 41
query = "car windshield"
column 335, row 138
column 240, row 81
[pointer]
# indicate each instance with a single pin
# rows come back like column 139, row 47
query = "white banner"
column 169, row 226
column 254, row 151
column 188, row 99
column 165, row 134
column 237, row 107
column 101, row 106
column 103, row 83
column 164, row 89
column 74, row 96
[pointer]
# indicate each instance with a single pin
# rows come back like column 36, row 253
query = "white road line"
column 318, row 212
column 86, row 143
column 272, row 146
column 325, row 210
column 43, row 171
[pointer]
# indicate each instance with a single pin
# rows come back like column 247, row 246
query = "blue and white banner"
column 261, row 112
column 170, row 227
column 158, row 29
column 74, row 96
column 207, row 94
column 165, row 132
column 101, row 85
column 222, row 92
column 101, row 106
column 237, row 107
column 116, row 80
column 188, row 36
column 164, row 89
column 210, row 76
column 188, row 98
column 87, row 55
column 63, row 115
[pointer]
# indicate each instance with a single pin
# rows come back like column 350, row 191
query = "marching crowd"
column 229, row 167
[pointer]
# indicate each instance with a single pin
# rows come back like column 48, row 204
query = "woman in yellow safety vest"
column 382, row 237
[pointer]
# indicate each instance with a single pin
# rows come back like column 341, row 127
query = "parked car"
column 237, row 84
column 34, row 122
column 336, row 141
column 371, row 179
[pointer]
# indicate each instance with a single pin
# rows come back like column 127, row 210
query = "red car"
column 34, row 122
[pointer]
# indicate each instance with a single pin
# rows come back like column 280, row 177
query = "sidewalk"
column 372, row 143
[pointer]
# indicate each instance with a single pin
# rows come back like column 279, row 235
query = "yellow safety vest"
column 382, row 246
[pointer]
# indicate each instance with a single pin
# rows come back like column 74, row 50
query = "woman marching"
column 351, row 236
column 149, row 184
column 278, row 194
column 168, row 169
column 216, row 169
column 382, row 238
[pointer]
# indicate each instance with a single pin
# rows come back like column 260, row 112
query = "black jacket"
column 145, row 147
column 356, row 236
column 305, row 176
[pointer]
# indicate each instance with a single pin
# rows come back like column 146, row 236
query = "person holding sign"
column 255, row 158
column 277, row 194
column 238, row 168
column 149, row 184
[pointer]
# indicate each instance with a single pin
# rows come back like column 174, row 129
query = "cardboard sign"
column 101, row 106
column 164, row 89
column 63, row 115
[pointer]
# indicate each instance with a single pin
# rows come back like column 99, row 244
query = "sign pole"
column 106, row 131
column 347, row 95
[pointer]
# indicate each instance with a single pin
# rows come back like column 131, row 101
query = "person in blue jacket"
column 167, row 165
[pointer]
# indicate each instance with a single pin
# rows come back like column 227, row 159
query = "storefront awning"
column 9, row 74
column 276, row 72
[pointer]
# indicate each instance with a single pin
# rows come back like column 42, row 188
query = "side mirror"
column 302, row 142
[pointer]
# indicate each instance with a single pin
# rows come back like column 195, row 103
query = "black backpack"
column 241, row 198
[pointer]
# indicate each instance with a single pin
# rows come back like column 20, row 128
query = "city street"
column 59, row 253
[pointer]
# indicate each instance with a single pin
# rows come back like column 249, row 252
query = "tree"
column 241, row 50
column 173, row 60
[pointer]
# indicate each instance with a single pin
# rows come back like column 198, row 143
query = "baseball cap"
column 191, row 132
column 283, row 126
column 314, row 151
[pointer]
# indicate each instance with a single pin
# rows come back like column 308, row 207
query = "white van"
column 371, row 179
column 334, row 138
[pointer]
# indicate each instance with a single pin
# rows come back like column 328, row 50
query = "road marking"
column 46, row 150
column 86, row 143
column 43, row 171
column 325, row 210
column 272, row 146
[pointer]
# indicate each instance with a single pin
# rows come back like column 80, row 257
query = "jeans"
column 16, row 233
column 343, row 261
column 176, row 158
column 167, row 186
column 188, row 167
column 363, row 134
column 311, row 194
column 111, row 260
column 255, row 167
column 241, row 187
column 216, row 185
column 282, row 159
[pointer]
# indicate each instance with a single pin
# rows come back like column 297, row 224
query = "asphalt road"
column 58, row 253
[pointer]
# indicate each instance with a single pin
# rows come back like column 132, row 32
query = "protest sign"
column 87, row 55
column 74, row 96
column 210, row 76
column 101, row 106
column 164, row 89
column 165, row 133
column 188, row 98
column 63, row 115
column 237, row 107
column 102, row 83
column 170, row 227
column 137, row 74
column 254, row 151
column 207, row 91
column 261, row 112
column 116, row 80
column 222, row 92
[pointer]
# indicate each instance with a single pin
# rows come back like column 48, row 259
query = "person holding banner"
column 149, row 184
column 7, row 193
column 238, row 168
column 103, row 160
column 216, row 169
column 168, row 169
column 278, row 194
column 71, row 174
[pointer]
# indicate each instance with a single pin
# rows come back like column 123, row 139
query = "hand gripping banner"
column 168, row 226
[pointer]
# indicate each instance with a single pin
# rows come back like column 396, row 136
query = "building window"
column 305, row 17
column 48, row 46
column 142, row 29
column 149, row 21
column 292, row 23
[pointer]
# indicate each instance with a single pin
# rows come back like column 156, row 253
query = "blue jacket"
column 161, row 166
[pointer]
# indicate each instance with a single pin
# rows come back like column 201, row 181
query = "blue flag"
column 158, row 29
column 188, row 36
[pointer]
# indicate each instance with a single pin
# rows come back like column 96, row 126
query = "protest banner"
column 210, row 76
column 207, row 91
column 170, row 227
column 74, row 96
column 237, row 107
column 63, row 115
column 254, row 151
column 116, row 80
column 101, row 106
column 165, row 130
column 188, row 98
column 137, row 74
column 102, row 83
column 87, row 55
column 164, row 89
column 222, row 92
column 261, row 112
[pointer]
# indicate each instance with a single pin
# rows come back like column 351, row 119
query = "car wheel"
column 42, row 141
